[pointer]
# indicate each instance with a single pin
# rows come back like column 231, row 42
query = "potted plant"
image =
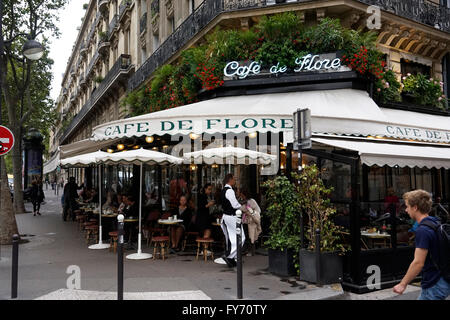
column 284, row 241
column 98, row 79
column 314, row 202
column 420, row 90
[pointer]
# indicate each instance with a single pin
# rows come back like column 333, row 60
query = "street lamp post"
column 32, row 50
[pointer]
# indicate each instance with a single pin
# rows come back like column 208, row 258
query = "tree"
column 25, row 86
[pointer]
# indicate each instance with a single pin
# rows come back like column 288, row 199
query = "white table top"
column 375, row 235
column 167, row 221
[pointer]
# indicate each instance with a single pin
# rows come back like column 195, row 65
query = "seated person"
column 121, row 203
column 151, row 198
column 132, row 208
column 93, row 196
column 111, row 202
column 185, row 213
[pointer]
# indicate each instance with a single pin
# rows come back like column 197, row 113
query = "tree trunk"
column 19, row 205
column 8, row 224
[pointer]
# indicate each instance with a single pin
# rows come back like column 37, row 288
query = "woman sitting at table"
column 203, row 218
column 184, row 213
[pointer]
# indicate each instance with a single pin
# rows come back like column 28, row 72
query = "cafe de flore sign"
column 309, row 63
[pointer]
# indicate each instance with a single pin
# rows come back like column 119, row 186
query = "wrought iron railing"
column 143, row 23
column 92, row 63
column 122, row 64
column 418, row 10
column 112, row 25
column 155, row 7
column 124, row 5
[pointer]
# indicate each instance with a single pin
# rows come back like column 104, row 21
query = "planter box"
column 331, row 267
column 281, row 262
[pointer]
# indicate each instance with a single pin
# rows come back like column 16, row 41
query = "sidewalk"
column 55, row 245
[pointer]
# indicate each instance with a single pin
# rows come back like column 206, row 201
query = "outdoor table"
column 374, row 236
column 171, row 224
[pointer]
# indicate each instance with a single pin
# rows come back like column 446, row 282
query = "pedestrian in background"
column 37, row 196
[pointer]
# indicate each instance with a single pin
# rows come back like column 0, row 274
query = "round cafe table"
column 171, row 224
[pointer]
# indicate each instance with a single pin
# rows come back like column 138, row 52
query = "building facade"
column 121, row 45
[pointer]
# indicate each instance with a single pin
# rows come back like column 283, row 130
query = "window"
column 409, row 66
column 155, row 42
column 446, row 73
column 172, row 24
column 191, row 6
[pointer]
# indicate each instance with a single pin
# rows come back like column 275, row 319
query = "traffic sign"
column 6, row 140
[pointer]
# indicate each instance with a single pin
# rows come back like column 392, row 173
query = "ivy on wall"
column 276, row 39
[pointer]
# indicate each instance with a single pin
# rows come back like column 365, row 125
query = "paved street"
column 55, row 245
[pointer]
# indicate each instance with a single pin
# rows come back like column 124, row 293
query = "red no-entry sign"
column 6, row 140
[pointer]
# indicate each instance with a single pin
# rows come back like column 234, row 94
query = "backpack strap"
column 435, row 227
column 430, row 224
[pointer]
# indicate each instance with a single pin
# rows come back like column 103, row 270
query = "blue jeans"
column 440, row 291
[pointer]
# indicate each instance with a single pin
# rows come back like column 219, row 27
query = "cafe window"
column 408, row 66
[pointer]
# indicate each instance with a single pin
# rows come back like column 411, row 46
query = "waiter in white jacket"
column 229, row 206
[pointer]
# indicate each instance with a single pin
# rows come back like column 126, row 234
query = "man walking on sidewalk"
column 428, row 251
column 229, row 205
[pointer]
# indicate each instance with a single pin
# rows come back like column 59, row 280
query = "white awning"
column 251, row 113
column 394, row 154
column 338, row 112
column 83, row 160
column 83, row 147
column 52, row 164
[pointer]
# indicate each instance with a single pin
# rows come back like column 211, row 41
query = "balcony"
column 92, row 64
column 421, row 11
column 143, row 24
column 103, row 6
column 124, row 8
column 83, row 49
column 103, row 43
column 117, row 77
column 113, row 26
column 83, row 83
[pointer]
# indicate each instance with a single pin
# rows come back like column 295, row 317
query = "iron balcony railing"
column 113, row 25
column 421, row 11
column 155, row 7
column 124, row 5
column 92, row 63
column 122, row 64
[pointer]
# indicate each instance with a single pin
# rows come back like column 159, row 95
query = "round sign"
column 6, row 140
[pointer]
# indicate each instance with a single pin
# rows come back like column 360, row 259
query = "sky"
column 61, row 49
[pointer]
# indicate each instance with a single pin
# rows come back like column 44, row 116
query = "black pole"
column 239, row 253
column 318, row 262
column 15, row 266
column 300, row 168
column 120, row 258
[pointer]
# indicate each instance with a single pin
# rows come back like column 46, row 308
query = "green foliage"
column 282, row 211
column 85, row 6
column 327, row 36
column 279, row 38
column 388, row 88
column 427, row 92
column 98, row 79
column 313, row 200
